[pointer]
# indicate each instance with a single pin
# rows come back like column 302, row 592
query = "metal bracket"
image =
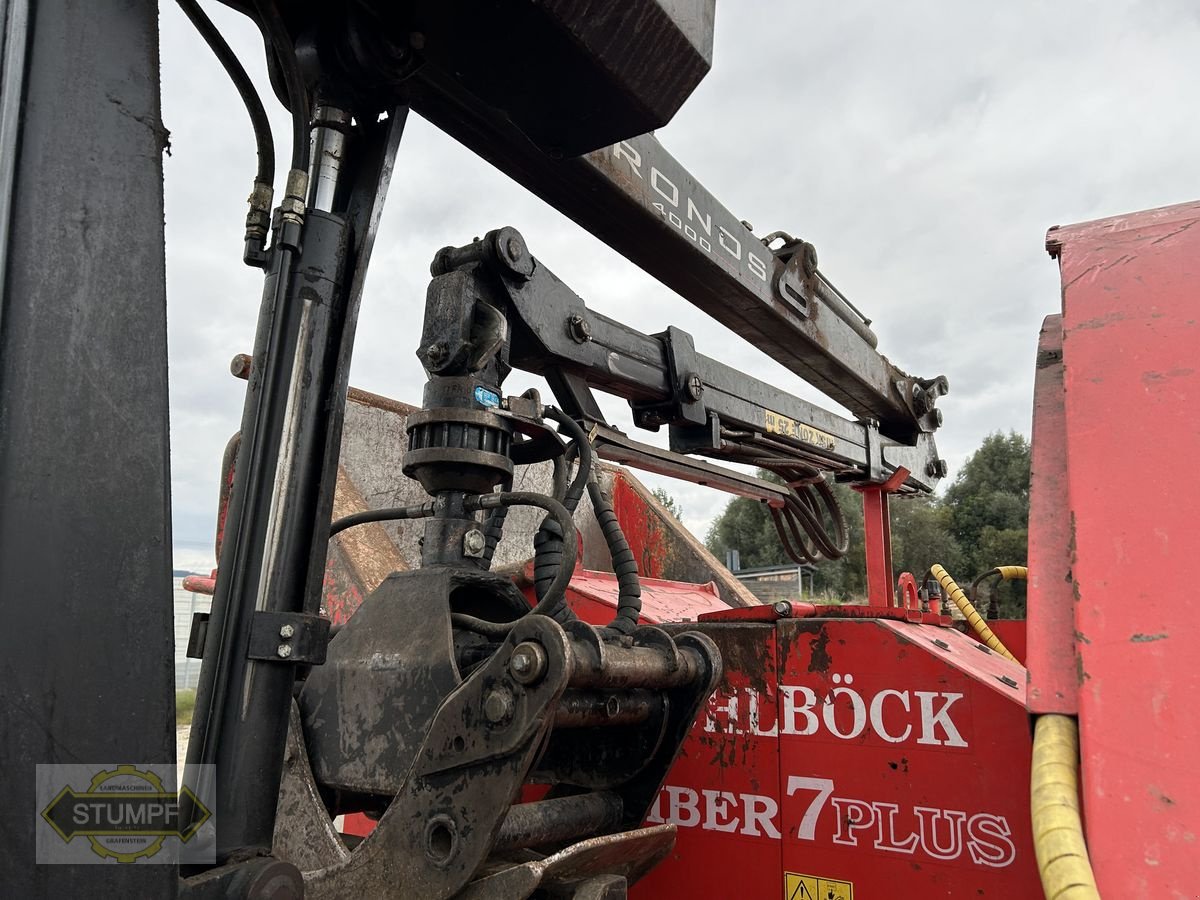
column 197, row 635
column 687, row 385
column 298, row 638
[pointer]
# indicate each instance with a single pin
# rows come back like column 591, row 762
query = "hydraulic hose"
column 974, row 619
column 385, row 514
column 1058, row 840
column 548, row 543
column 1005, row 573
column 258, row 218
column 629, row 585
column 263, row 139
column 554, row 598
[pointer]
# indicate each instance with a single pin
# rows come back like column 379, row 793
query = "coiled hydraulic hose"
column 629, row 585
column 1058, row 840
column 548, row 543
column 974, row 619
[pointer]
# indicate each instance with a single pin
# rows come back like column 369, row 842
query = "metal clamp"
column 299, row 638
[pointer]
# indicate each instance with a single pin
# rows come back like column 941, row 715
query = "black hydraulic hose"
column 629, row 585
column 548, row 543
column 493, row 530
column 263, row 139
column 559, row 480
column 387, row 514
column 281, row 43
column 554, row 598
column 583, row 447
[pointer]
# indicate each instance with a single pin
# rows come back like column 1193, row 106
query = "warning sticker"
column 813, row 887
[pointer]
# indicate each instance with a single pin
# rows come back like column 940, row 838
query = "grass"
column 185, row 702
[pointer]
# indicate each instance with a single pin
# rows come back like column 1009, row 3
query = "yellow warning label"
column 813, row 887
column 778, row 424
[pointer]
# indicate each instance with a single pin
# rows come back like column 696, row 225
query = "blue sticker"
column 484, row 397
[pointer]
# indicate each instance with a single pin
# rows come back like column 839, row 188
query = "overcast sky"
column 923, row 147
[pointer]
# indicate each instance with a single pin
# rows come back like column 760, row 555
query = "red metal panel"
column 1131, row 344
column 723, row 792
column 1052, row 662
column 593, row 596
column 903, row 754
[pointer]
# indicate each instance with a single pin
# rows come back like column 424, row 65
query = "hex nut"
column 527, row 663
column 286, row 631
column 284, row 651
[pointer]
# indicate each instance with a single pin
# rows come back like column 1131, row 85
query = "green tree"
column 988, row 505
column 746, row 525
column 669, row 503
column 991, row 491
column 921, row 535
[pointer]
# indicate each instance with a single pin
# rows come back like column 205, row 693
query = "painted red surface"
column 1052, row 661
column 642, row 529
column 1131, row 356
column 877, row 538
column 876, row 754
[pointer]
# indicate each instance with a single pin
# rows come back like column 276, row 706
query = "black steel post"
column 276, row 532
column 85, row 537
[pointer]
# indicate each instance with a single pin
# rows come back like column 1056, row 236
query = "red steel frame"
column 1131, row 379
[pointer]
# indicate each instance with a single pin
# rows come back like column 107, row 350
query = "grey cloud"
column 924, row 147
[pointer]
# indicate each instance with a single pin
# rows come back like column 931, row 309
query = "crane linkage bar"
column 644, row 204
column 711, row 409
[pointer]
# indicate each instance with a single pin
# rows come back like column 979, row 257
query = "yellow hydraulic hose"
column 1058, row 840
column 1008, row 573
column 974, row 619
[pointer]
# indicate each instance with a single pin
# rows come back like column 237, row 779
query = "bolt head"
column 286, row 631
column 694, row 385
column 284, row 651
column 514, row 248
column 579, row 329
column 474, row 543
column 784, row 609
column 498, row 706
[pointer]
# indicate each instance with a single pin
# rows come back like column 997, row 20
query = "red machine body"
column 878, row 750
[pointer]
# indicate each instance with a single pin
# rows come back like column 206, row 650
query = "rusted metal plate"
column 1131, row 346
column 1052, row 662
column 666, row 550
column 872, row 756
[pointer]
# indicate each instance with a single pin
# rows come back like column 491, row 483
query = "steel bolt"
column 474, row 543
column 694, row 385
column 514, row 248
column 498, row 706
column 579, row 329
column 286, row 631
column 527, row 663
column 437, row 352
column 284, row 651
column 783, row 609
